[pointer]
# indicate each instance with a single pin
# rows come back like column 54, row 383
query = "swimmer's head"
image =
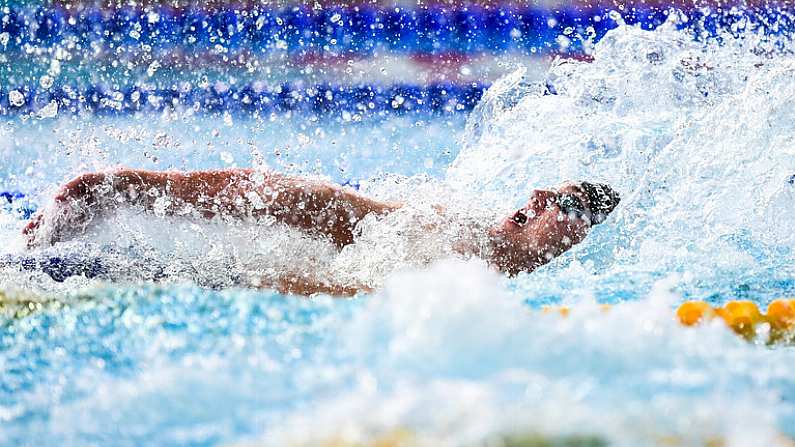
column 551, row 222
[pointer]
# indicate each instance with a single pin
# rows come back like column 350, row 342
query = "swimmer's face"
column 551, row 222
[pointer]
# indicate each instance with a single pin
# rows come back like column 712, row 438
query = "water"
column 695, row 136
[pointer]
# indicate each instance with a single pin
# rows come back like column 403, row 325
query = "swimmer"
column 551, row 222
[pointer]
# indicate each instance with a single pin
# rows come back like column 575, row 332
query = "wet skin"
column 527, row 238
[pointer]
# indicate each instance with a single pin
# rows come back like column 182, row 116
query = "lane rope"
column 347, row 102
column 776, row 324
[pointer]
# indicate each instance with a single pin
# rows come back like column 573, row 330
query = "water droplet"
column 255, row 199
column 303, row 140
column 46, row 82
column 55, row 67
column 161, row 206
column 258, row 178
column 152, row 69
column 398, row 101
column 335, row 18
column 616, row 17
column 16, row 98
column 49, row 111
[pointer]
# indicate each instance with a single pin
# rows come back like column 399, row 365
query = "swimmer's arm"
column 320, row 207
column 301, row 285
column 312, row 205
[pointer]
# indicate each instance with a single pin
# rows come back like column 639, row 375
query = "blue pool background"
column 450, row 353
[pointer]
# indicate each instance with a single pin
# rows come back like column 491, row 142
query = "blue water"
column 448, row 352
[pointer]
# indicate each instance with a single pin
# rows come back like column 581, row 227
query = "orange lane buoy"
column 562, row 310
column 566, row 310
column 781, row 314
column 741, row 316
column 694, row 312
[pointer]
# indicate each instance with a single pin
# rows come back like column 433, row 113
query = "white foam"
column 697, row 139
column 450, row 354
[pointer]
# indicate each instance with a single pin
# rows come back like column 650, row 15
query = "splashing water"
column 695, row 136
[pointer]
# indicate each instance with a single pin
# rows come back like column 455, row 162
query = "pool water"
column 698, row 138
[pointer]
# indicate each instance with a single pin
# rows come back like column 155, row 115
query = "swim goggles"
column 569, row 205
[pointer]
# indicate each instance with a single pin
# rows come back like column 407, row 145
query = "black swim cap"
column 602, row 200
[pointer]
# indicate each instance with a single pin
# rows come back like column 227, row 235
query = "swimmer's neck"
column 488, row 245
column 512, row 257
